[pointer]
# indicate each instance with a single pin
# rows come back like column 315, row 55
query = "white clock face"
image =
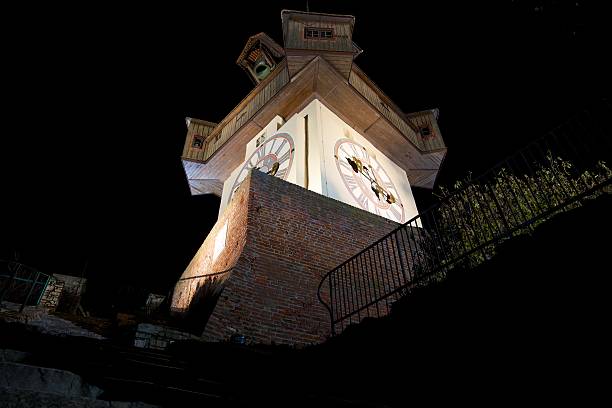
column 367, row 181
column 274, row 157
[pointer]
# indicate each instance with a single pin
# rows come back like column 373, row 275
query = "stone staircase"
column 27, row 385
column 189, row 374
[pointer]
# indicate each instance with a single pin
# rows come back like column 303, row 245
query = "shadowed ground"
column 530, row 325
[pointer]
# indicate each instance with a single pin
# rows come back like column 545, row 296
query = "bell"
column 261, row 68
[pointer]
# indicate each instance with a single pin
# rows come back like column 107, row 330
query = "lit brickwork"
column 281, row 239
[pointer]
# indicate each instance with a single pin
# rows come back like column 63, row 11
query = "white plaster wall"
column 267, row 132
column 296, row 126
column 274, row 127
column 333, row 129
column 324, row 130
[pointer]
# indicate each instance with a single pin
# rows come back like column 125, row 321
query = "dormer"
column 307, row 35
column 427, row 129
column 260, row 56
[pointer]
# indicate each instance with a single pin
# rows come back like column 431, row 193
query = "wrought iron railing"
column 194, row 299
column 192, row 290
column 20, row 283
column 551, row 174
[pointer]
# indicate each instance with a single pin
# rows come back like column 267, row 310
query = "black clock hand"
column 274, row 169
column 359, row 167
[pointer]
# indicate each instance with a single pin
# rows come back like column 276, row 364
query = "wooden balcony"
column 408, row 125
column 241, row 114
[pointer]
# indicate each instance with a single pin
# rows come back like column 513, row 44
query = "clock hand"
column 390, row 198
column 355, row 164
column 274, row 169
column 377, row 189
column 359, row 167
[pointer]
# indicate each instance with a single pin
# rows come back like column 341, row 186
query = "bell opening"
column 262, row 71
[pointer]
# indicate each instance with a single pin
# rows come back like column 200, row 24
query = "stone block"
column 42, row 379
column 142, row 343
column 13, row 356
column 16, row 398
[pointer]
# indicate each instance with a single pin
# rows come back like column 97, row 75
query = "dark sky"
column 95, row 101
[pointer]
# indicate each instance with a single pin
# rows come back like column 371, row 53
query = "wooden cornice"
column 310, row 16
column 318, row 79
column 386, row 99
column 188, row 120
column 238, row 109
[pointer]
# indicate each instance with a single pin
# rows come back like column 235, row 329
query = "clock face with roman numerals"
column 367, row 181
column 274, row 157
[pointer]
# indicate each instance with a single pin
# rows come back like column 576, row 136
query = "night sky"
column 95, row 101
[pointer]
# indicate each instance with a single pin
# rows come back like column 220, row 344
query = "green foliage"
column 476, row 215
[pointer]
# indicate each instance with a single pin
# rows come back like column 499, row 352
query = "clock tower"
column 312, row 166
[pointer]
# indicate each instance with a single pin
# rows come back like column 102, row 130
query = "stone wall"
column 158, row 337
column 50, row 298
column 153, row 303
column 293, row 237
column 74, row 287
column 72, row 284
column 63, row 292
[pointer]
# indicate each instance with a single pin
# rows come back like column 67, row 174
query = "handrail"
column 16, row 280
column 523, row 189
column 207, row 275
column 182, row 300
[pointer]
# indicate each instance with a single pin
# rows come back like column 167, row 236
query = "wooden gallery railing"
column 245, row 110
column 386, row 108
column 549, row 175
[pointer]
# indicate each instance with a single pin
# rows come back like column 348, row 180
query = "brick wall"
column 289, row 237
column 202, row 264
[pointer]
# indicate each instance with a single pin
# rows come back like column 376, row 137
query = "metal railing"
column 194, row 299
column 551, row 174
column 20, row 283
column 195, row 289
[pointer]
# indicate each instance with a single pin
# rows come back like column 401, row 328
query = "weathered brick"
column 281, row 240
